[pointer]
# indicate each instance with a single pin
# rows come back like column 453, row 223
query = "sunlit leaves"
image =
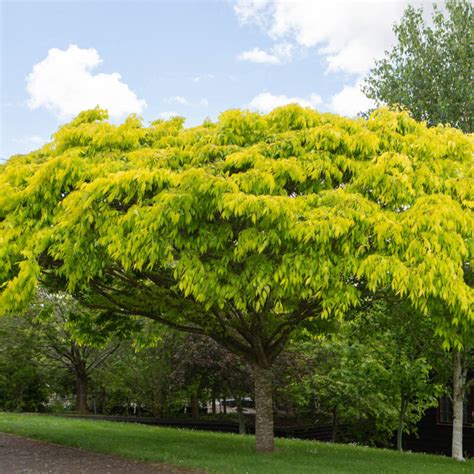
column 259, row 212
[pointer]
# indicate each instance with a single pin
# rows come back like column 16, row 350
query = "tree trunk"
column 213, row 405
column 263, row 410
column 81, row 394
column 335, row 425
column 459, row 380
column 240, row 411
column 401, row 421
column 224, row 405
column 194, row 406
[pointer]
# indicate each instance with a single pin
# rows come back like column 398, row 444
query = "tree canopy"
column 244, row 228
column 429, row 70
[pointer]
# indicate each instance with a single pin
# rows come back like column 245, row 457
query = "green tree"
column 25, row 380
column 60, row 323
column 380, row 364
column 241, row 229
column 429, row 70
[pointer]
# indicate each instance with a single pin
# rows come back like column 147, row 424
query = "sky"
column 189, row 58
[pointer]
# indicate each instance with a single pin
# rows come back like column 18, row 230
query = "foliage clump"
column 260, row 212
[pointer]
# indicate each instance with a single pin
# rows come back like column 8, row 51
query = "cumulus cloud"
column 349, row 34
column 350, row 101
column 257, row 55
column 280, row 53
column 64, row 82
column 265, row 102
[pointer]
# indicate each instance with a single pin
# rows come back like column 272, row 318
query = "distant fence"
column 320, row 433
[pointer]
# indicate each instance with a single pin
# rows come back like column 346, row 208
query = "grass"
column 222, row 453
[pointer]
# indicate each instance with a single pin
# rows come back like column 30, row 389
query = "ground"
column 23, row 455
column 218, row 452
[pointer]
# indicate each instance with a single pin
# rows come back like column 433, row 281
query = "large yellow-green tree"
column 243, row 229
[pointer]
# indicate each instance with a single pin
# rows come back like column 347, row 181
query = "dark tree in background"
column 430, row 69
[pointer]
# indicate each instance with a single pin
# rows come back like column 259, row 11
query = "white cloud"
column 349, row 34
column 205, row 76
column 180, row 100
column 257, row 55
column 177, row 99
column 168, row 115
column 350, row 101
column 266, row 102
column 65, row 84
column 279, row 53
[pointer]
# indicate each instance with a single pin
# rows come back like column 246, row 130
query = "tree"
column 380, row 364
column 203, row 365
column 429, row 70
column 58, row 320
column 241, row 229
column 403, row 343
column 24, row 379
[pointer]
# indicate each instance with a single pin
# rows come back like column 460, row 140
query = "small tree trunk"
column 264, row 434
column 335, row 424
column 240, row 412
column 224, row 405
column 213, row 405
column 194, row 406
column 81, row 394
column 459, row 379
column 401, row 421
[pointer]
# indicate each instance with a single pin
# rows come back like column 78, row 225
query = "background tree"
column 380, row 364
column 211, row 371
column 25, row 379
column 242, row 229
column 59, row 322
column 429, row 70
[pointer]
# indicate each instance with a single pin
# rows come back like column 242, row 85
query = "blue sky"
column 191, row 58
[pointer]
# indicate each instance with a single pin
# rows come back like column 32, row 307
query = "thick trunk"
column 264, row 410
column 81, row 394
column 459, row 380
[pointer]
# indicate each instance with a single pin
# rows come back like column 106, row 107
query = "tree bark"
column 240, row 412
column 194, row 406
column 81, row 394
column 264, row 434
column 459, row 380
column 335, row 425
column 401, row 421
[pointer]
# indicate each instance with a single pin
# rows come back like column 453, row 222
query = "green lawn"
column 222, row 453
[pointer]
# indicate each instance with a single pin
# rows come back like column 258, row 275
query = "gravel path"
column 22, row 455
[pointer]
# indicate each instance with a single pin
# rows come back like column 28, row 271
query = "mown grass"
column 222, row 453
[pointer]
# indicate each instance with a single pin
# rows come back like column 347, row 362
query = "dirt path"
column 22, row 455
